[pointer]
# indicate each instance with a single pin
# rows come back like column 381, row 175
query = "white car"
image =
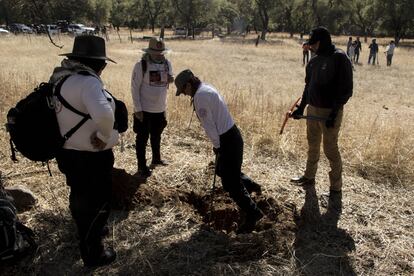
column 180, row 31
column 52, row 29
column 78, row 29
column 4, row 31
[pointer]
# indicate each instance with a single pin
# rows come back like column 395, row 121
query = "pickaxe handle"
column 287, row 115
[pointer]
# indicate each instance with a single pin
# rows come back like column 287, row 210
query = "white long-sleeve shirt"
column 390, row 49
column 212, row 112
column 86, row 94
column 149, row 92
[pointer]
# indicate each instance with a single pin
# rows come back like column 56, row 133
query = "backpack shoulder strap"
column 167, row 66
column 64, row 102
column 143, row 66
column 71, row 108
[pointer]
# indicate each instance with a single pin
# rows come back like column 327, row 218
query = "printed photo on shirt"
column 158, row 78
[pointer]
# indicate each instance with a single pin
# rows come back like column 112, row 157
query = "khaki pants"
column 316, row 131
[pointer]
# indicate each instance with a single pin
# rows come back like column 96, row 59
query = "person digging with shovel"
column 227, row 141
column 328, row 87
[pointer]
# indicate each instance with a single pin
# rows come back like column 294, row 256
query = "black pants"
column 151, row 127
column 356, row 57
column 389, row 60
column 89, row 175
column 229, row 162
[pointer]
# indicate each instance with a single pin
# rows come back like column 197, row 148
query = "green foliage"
column 358, row 17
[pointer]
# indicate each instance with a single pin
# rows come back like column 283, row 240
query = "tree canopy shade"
column 359, row 17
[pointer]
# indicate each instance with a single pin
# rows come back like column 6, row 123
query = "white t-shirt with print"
column 149, row 92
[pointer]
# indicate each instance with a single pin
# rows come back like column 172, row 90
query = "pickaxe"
column 307, row 117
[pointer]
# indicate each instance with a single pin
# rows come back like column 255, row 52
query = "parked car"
column 62, row 25
column 52, row 29
column 78, row 29
column 20, row 28
column 180, row 31
column 4, row 31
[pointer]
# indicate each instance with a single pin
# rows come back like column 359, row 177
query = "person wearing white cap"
column 151, row 77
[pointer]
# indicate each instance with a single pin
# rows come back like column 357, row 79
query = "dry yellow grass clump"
column 161, row 227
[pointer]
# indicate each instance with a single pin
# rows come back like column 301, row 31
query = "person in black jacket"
column 328, row 86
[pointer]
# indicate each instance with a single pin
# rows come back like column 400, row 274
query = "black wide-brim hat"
column 89, row 46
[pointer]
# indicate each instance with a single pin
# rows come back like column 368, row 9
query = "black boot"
column 92, row 258
column 144, row 171
column 250, row 221
column 252, row 186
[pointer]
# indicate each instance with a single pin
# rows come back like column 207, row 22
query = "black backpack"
column 33, row 126
column 121, row 114
column 15, row 238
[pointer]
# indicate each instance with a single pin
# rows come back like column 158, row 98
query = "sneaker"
column 107, row 256
column 250, row 222
column 144, row 172
column 302, row 181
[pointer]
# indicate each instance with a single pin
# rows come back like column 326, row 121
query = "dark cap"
column 182, row 79
column 89, row 46
column 319, row 34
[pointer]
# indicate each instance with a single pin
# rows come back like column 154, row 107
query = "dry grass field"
column 162, row 225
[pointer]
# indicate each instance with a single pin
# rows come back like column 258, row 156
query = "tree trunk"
column 162, row 32
column 263, row 34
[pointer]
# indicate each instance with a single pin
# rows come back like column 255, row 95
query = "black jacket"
column 328, row 82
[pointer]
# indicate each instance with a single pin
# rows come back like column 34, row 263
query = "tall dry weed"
column 259, row 84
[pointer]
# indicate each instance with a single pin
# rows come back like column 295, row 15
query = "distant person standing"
column 389, row 51
column 150, row 81
column 373, row 51
column 348, row 45
column 358, row 50
column 305, row 50
column 351, row 51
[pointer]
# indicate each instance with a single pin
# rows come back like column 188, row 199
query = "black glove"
column 330, row 123
column 297, row 113
column 216, row 150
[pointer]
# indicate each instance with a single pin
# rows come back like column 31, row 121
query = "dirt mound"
column 218, row 211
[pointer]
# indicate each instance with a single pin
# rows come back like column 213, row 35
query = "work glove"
column 297, row 113
column 330, row 123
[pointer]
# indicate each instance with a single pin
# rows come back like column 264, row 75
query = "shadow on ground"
column 321, row 247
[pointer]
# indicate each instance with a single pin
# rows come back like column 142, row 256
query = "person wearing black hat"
column 149, row 84
column 87, row 158
column 227, row 141
column 328, row 87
